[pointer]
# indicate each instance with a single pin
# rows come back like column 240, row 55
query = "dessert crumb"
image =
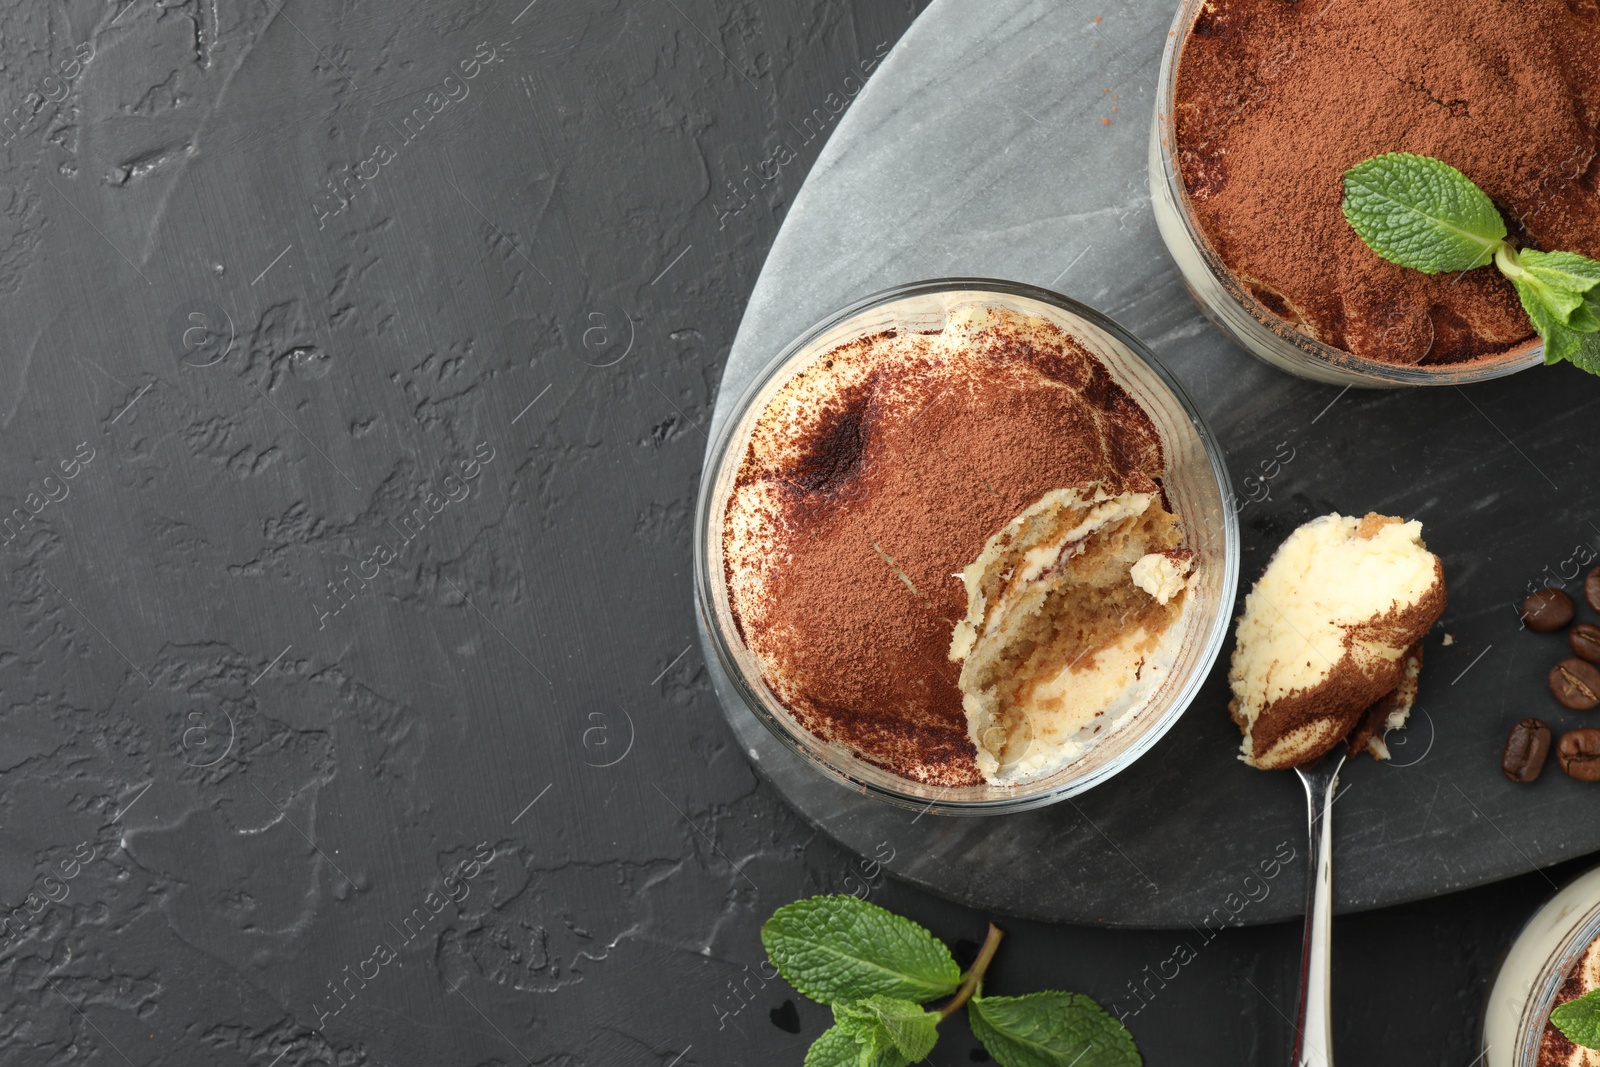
column 1371, row 523
column 1106, row 121
column 1449, row 639
column 1097, row 19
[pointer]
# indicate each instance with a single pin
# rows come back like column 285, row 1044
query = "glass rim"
column 1212, row 637
column 1273, row 327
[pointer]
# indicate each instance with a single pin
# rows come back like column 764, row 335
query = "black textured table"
column 358, row 367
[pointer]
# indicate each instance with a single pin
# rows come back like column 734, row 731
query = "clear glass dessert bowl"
column 1533, row 970
column 1194, row 480
column 1231, row 305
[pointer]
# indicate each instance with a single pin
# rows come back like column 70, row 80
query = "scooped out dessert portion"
column 949, row 548
column 1067, row 609
column 1329, row 645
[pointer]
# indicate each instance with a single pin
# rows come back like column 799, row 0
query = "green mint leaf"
column 1590, row 312
column 1564, row 269
column 1548, row 322
column 837, row 1047
column 1576, row 338
column 1421, row 213
column 1587, row 318
column 1051, row 1029
column 837, row 949
column 1562, row 344
column 1587, row 355
column 1580, row 1019
column 1555, row 289
column 904, row 1024
column 860, row 1037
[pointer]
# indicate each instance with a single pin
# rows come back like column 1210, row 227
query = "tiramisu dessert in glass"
column 1554, row 960
column 966, row 544
column 1262, row 106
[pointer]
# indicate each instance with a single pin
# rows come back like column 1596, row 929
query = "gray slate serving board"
column 981, row 148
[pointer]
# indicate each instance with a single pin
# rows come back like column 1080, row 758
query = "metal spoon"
column 1313, row 1043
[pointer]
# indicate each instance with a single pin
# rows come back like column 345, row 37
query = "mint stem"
column 1510, row 264
column 974, row 978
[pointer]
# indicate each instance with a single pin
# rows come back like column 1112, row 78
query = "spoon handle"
column 1313, row 1046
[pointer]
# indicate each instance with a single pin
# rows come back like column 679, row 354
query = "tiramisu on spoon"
column 1327, row 657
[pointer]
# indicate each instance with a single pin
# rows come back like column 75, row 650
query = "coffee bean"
column 1547, row 610
column 1526, row 750
column 1591, row 588
column 1576, row 684
column 1585, row 641
column 1579, row 754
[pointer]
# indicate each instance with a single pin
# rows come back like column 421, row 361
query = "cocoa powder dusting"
column 1276, row 99
column 1555, row 1048
column 891, row 486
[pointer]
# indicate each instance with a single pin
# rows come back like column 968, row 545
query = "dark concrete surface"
column 356, row 368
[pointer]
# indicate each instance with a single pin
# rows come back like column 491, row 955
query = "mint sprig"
column 1580, row 1019
column 1422, row 213
column 876, row 969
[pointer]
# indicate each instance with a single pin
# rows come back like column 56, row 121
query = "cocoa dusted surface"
column 1276, row 100
column 908, row 472
column 1401, row 698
